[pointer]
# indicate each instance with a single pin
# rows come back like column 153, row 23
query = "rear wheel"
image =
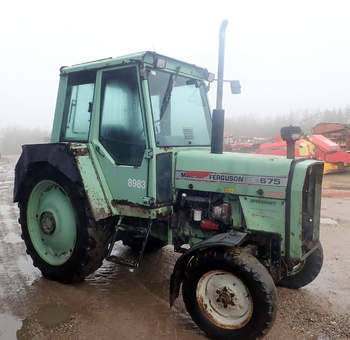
column 64, row 243
column 229, row 295
column 305, row 272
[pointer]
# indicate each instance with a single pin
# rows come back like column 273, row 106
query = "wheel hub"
column 225, row 297
column 47, row 223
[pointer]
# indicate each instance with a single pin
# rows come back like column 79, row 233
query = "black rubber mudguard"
column 36, row 156
column 224, row 240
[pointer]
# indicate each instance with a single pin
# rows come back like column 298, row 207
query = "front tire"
column 229, row 295
column 61, row 238
column 305, row 272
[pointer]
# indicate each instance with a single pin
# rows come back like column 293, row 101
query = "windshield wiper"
column 167, row 94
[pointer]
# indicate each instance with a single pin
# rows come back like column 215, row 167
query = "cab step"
column 130, row 262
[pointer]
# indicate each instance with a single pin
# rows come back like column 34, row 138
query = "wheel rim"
column 51, row 222
column 224, row 299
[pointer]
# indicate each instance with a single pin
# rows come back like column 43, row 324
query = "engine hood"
column 232, row 173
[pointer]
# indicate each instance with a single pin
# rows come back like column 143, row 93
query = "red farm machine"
column 313, row 146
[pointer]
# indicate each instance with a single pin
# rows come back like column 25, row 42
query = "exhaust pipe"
column 218, row 120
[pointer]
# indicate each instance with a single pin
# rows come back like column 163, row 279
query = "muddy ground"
column 115, row 303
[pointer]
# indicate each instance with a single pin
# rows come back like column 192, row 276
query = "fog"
column 289, row 55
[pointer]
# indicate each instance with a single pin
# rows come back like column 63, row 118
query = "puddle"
column 110, row 273
column 53, row 315
column 328, row 221
column 42, row 323
column 9, row 325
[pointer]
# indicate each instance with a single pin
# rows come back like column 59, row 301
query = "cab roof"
column 148, row 58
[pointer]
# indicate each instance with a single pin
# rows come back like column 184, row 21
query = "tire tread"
column 92, row 239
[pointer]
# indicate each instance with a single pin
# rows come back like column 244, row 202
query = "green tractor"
column 136, row 156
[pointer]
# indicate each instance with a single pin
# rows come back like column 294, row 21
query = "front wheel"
column 229, row 295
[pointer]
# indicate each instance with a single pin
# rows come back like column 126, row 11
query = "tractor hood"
column 232, row 173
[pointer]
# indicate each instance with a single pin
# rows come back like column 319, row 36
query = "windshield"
column 180, row 110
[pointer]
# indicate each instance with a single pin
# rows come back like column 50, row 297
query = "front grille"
column 311, row 205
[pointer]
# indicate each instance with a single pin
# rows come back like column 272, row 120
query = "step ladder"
column 132, row 263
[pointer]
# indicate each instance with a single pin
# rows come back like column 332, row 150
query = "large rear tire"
column 60, row 235
column 305, row 272
column 229, row 295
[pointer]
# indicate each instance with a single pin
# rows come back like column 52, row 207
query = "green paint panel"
column 126, row 183
column 92, row 185
column 57, row 124
column 240, row 174
column 263, row 214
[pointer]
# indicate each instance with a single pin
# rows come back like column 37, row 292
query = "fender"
column 35, row 156
column 67, row 159
column 228, row 240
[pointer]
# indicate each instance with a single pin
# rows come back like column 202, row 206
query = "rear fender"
column 224, row 240
column 72, row 162
column 36, row 156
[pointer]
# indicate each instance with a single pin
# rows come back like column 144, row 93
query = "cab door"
column 121, row 144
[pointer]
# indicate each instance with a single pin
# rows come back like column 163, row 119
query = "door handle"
column 98, row 149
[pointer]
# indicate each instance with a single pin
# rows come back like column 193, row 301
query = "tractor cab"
column 135, row 112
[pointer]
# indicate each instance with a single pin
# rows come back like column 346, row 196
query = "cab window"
column 121, row 129
column 78, row 106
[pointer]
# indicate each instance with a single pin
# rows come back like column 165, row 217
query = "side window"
column 79, row 107
column 121, row 128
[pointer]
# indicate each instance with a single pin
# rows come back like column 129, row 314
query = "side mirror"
column 235, row 86
column 291, row 134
